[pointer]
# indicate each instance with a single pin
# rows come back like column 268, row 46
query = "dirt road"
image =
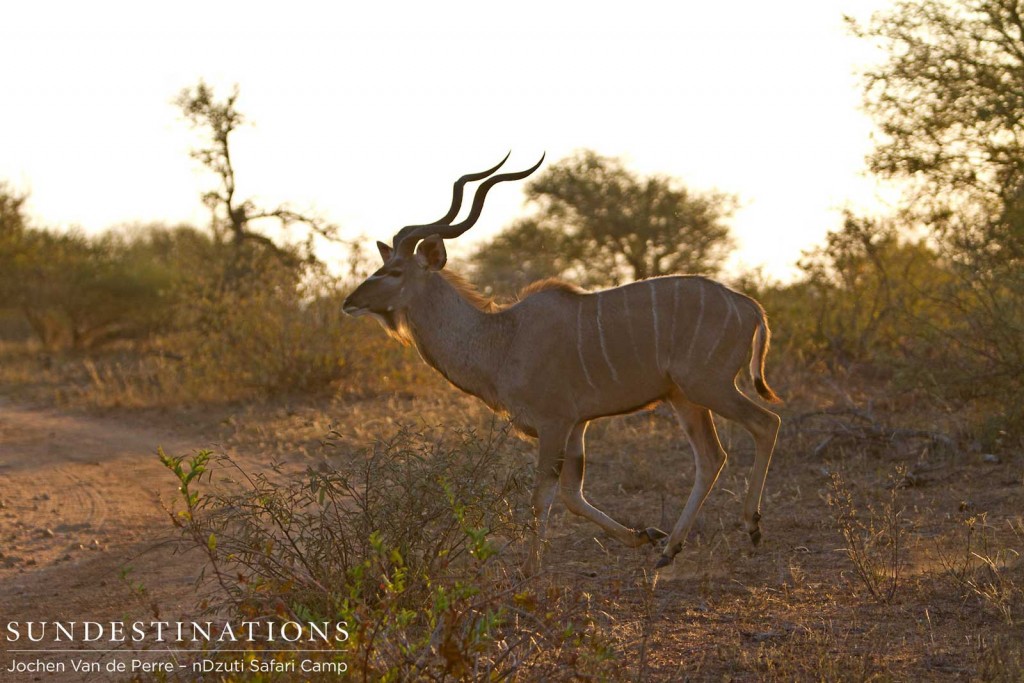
column 83, row 535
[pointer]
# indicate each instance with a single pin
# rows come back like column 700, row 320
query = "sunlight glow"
column 365, row 112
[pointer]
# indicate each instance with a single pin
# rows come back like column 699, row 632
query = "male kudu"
column 560, row 357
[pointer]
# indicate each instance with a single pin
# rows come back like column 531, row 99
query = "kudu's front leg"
column 549, row 467
column 571, row 487
column 561, row 467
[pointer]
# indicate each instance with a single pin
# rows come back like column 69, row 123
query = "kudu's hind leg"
column 709, row 457
column 763, row 426
column 571, row 488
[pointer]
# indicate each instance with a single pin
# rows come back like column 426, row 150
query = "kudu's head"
column 417, row 251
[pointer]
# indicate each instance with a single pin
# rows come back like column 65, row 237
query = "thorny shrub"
column 271, row 329
column 983, row 568
column 411, row 542
column 873, row 536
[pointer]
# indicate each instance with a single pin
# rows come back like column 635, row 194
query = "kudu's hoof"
column 668, row 555
column 755, row 533
column 651, row 535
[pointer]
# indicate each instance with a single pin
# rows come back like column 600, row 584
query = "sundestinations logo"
column 49, row 646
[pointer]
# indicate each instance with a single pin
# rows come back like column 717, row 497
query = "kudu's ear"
column 431, row 253
column 385, row 251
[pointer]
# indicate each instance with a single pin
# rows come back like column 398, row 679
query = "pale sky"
column 365, row 112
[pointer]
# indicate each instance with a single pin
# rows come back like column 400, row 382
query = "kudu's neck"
column 462, row 342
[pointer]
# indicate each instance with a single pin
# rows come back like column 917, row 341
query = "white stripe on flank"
column 675, row 314
column 600, row 336
column 736, row 310
column 575, row 404
column 725, row 321
column 628, row 316
column 654, row 310
column 579, row 345
column 696, row 328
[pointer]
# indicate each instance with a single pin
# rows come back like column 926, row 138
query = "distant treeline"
column 927, row 302
column 238, row 319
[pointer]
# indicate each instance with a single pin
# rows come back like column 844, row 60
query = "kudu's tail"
column 762, row 340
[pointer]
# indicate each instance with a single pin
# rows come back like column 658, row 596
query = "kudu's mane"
column 548, row 284
column 397, row 326
column 468, row 291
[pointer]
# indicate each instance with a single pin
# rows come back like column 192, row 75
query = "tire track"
column 79, row 501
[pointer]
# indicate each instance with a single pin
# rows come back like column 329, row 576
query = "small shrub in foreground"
column 410, row 542
column 874, row 537
column 982, row 567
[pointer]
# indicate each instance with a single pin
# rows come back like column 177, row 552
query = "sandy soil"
column 83, row 533
column 80, row 499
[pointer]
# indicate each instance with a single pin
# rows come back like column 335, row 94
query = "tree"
column 949, row 103
column 12, row 214
column 234, row 218
column 13, row 224
column 76, row 290
column 599, row 224
column 863, row 294
column 948, row 100
column 526, row 251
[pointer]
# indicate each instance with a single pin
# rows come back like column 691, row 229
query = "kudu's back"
column 616, row 350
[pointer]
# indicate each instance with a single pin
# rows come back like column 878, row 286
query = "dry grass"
column 795, row 608
column 302, row 360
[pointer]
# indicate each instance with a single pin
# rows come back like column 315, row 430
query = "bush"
column 977, row 354
column 411, row 543
column 85, row 292
column 157, row 316
column 264, row 331
column 863, row 297
column 938, row 320
column 270, row 327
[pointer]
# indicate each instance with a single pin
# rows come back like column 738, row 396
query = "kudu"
column 560, row 357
